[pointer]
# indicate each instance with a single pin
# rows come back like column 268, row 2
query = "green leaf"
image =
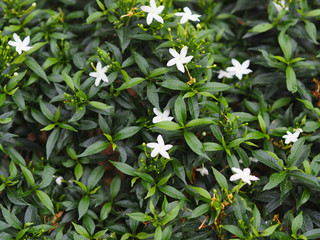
column 220, row 179
column 212, row 147
column 49, row 62
column 312, row 234
column 94, row 16
column 126, row 133
column 200, row 210
column 21, row 233
column 51, row 142
column 83, row 206
column 81, row 230
column 168, row 125
column 267, row 159
column 213, row 87
column 195, row 144
column 292, row 84
column 304, row 197
column 99, row 105
column 234, row 230
column 28, row 175
column 269, row 230
column 171, row 215
column 158, row 233
column 68, row 80
column 299, row 152
column 285, row 44
column 95, row 176
column 172, row 192
column 143, row 235
column 78, row 171
column 45, row 199
column 94, row 148
column 141, row 217
column 151, row 192
column 311, row 30
column 125, row 168
column 313, row 13
column 15, row 156
column 260, row 28
column 281, row 102
column 158, row 71
column 115, row 186
column 36, row 68
column 199, row 121
column 10, row 218
column 142, row 63
column 180, row 110
column 275, row 180
column 175, row 85
column 256, row 218
column 132, row 82
column 297, row 223
column 105, row 210
column 99, row 234
column 204, row 193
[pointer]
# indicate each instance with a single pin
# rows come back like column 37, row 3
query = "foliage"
column 83, row 158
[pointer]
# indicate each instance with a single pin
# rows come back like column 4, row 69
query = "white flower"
column 153, row 12
column 161, row 116
column 299, row 130
column 226, row 74
column 20, row 45
column 59, row 180
column 243, row 175
column 291, row 137
column 203, row 171
column 159, row 147
column 187, row 15
column 239, row 69
column 179, row 59
column 100, row 74
column 280, row 5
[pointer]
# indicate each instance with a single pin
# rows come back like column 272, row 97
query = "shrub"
column 159, row 119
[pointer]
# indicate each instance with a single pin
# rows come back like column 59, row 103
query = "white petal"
column 97, row 82
column 195, row 18
column 159, row 9
column 235, row 63
column 235, row 177
column 158, row 18
column 145, row 8
column 166, row 112
column 236, row 170
column 167, row 147
column 153, row 4
column 172, row 62
column 152, row 145
column 12, row 43
column 184, row 19
column 149, row 18
column 17, row 38
column 253, row 178
column 187, row 59
column 183, row 52
column 160, row 140
column 180, row 67
column 246, row 64
column 156, row 119
column 26, row 41
column 164, row 154
column 231, row 69
column 154, row 152
column 156, row 111
column 174, row 53
column 247, row 171
column 179, row 14
column 239, row 75
column 104, row 78
column 93, row 74
column 18, row 49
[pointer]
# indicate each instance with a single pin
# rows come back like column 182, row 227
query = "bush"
column 159, row 119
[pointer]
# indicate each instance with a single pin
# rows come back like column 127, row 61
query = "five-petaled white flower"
column 187, row 15
column 203, row 171
column 161, row 116
column 179, row 59
column 243, row 175
column 20, row 45
column 280, row 5
column 100, row 74
column 239, row 69
column 153, row 12
column 159, row 147
column 225, row 74
column 59, row 180
column 291, row 137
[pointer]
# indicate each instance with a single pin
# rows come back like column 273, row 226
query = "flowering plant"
column 159, row 119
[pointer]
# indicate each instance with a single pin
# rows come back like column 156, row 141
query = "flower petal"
column 26, row 41
column 183, row 52
column 174, row 53
column 158, row 18
column 172, row 62
column 235, row 63
column 12, row 43
column 187, row 59
column 235, row 177
column 17, row 38
column 145, row 8
column 160, row 140
column 164, row 154
column 154, row 152
column 159, row 9
column 180, row 67
column 149, row 18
